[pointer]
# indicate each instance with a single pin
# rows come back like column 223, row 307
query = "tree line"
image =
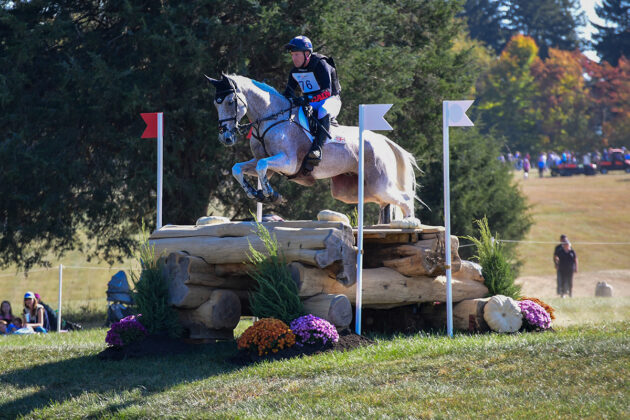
column 76, row 74
column 542, row 93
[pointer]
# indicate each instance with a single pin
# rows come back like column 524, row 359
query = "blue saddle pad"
column 303, row 120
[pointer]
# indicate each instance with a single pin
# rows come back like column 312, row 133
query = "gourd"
column 406, row 223
column 212, row 220
column 503, row 314
column 333, row 216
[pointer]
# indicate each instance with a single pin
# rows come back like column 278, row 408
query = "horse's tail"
column 406, row 164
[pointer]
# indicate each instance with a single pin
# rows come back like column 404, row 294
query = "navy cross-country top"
column 318, row 79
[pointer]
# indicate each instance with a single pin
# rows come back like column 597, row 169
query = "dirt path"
column 583, row 284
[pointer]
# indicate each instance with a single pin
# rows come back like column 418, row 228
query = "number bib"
column 307, row 82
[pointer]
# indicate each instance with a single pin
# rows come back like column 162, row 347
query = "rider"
column 316, row 76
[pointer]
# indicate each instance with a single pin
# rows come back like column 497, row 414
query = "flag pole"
column 59, row 303
column 160, row 146
column 447, row 222
column 358, row 303
column 259, row 207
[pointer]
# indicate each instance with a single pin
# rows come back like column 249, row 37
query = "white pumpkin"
column 406, row 223
column 503, row 314
column 333, row 216
column 212, row 220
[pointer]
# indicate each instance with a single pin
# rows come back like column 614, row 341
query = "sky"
column 589, row 8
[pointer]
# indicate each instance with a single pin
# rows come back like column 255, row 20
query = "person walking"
column 566, row 262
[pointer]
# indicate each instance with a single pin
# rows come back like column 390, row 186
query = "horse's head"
column 231, row 107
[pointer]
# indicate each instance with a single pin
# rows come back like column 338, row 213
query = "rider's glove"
column 300, row 101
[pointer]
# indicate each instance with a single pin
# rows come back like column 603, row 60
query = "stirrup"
column 314, row 156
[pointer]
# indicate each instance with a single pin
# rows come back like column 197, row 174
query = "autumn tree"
column 508, row 94
column 610, row 97
column 563, row 101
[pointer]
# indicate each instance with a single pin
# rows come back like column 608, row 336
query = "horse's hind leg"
column 239, row 170
column 395, row 197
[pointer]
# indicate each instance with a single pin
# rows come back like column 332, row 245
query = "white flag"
column 457, row 113
column 373, row 117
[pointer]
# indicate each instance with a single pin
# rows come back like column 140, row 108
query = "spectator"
column 50, row 312
column 541, row 164
column 3, row 327
column 34, row 314
column 6, row 314
column 526, row 168
column 17, row 321
column 566, row 262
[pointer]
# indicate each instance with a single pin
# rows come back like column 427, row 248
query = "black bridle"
column 254, row 125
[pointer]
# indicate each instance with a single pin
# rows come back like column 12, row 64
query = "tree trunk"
column 310, row 281
column 317, row 247
column 386, row 288
column 423, row 258
column 221, row 310
column 336, row 309
column 468, row 315
column 239, row 229
column 469, row 271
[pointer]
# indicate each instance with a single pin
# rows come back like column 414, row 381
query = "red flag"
column 151, row 119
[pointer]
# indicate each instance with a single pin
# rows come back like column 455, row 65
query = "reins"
column 253, row 124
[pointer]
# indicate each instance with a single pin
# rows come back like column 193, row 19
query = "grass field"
column 576, row 372
column 582, row 370
column 591, row 211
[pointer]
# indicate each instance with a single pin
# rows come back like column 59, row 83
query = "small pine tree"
column 276, row 295
column 496, row 268
column 151, row 292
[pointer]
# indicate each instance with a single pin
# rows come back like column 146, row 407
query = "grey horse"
column 279, row 145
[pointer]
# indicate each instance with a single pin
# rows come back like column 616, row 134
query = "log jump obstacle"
column 209, row 284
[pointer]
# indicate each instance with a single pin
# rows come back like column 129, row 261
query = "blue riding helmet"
column 299, row 43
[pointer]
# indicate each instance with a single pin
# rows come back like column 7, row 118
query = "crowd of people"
column 547, row 160
column 36, row 316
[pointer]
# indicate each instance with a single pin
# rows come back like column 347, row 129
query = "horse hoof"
column 260, row 196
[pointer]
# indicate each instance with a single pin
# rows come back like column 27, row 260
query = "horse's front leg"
column 280, row 163
column 239, row 170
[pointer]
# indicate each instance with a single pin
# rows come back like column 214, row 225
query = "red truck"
column 617, row 162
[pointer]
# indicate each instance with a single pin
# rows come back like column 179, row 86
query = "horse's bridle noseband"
column 220, row 97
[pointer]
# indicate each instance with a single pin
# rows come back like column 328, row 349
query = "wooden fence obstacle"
column 210, row 281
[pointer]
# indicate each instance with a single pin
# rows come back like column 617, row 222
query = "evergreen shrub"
column 276, row 294
column 495, row 265
column 150, row 292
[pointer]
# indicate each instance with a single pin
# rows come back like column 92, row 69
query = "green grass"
column 579, row 371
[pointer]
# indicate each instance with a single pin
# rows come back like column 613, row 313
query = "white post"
column 59, row 303
column 259, row 214
column 357, row 323
column 447, row 222
column 160, row 146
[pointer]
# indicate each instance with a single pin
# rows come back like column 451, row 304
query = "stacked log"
column 209, row 276
column 385, row 287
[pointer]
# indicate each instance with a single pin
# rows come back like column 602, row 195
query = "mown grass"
column 579, row 371
column 591, row 211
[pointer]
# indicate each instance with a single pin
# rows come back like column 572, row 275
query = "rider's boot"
column 315, row 154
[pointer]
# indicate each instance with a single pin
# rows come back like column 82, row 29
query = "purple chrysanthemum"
column 309, row 329
column 535, row 315
column 125, row 331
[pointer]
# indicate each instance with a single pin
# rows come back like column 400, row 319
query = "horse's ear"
column 215, row 82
